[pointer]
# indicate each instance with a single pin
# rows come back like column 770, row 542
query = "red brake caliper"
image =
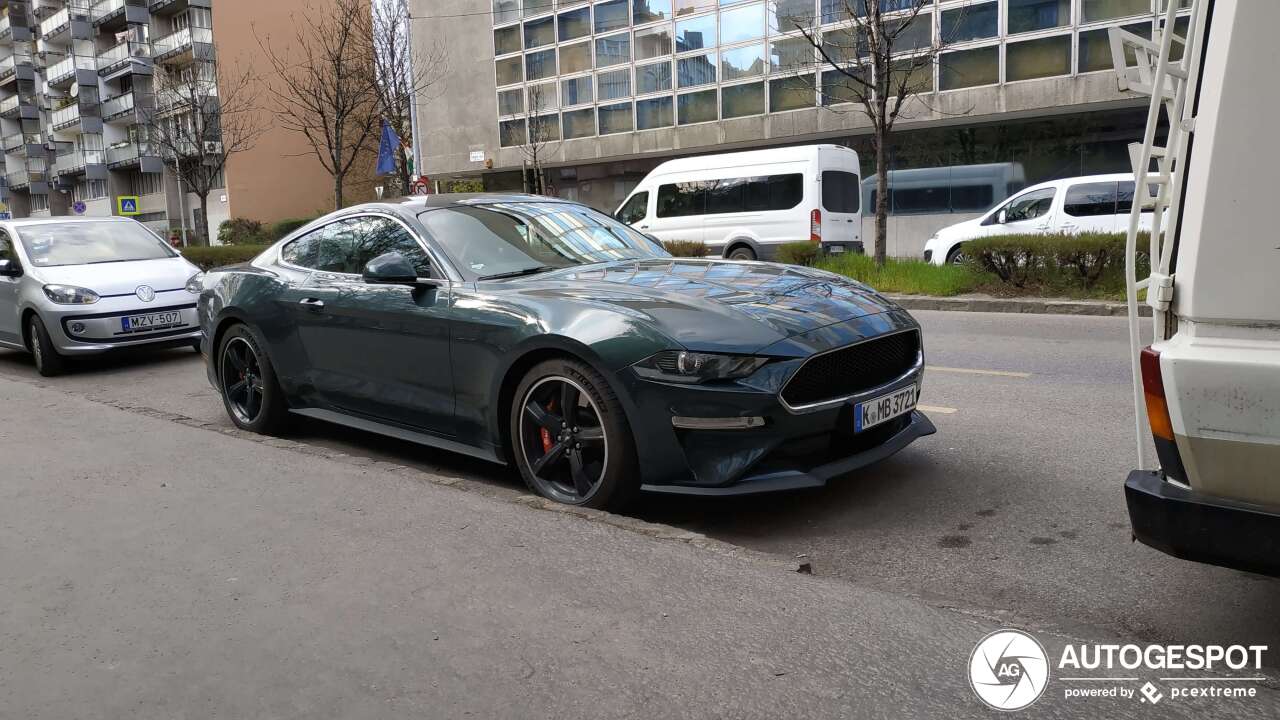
column 546, row 434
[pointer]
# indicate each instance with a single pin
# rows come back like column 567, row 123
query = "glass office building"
column 621, row 85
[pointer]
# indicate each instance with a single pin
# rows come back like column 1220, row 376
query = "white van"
column 744, row 205
column 1093, row 203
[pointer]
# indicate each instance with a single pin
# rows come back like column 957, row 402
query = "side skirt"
column 399, row 433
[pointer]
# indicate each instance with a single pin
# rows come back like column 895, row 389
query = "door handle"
column 644, row 227
column 312, row 303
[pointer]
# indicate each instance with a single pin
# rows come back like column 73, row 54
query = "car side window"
column 1029, row 206
column 1092, row 199
column 635, row 209
column 374, row 236
column 6, row 248
column 302, row 251
column 683, row 199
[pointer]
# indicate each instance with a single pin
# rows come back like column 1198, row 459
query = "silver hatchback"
column 79, row 286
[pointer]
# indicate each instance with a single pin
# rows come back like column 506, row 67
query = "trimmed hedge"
column 686, row 248
column 283, row 227
column 242, row 231
column 798, row 253
column 208, row 258
column 1084, row 261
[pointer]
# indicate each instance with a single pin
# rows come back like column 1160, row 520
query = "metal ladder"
column 1159, row 172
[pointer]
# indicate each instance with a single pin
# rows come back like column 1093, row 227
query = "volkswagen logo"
column 145, row 293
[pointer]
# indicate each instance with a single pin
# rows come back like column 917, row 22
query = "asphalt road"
column 1014, row 511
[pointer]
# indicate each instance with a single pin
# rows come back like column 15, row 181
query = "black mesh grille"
column 853, row 369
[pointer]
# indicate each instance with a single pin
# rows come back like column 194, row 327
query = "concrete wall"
column 907, row 234
column 279, row 178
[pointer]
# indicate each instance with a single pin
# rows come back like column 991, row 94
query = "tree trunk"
column 882, row 197
column 202, row 232
column 337, row 191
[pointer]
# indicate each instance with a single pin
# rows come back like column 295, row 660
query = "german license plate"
column 869, row 413
column 836, row 249
column 150, row 321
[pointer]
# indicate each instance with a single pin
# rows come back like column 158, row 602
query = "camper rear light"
column 1158, row 415
column 815, row 226
column 1153, row 390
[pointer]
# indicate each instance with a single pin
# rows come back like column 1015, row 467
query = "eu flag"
column 387, row 150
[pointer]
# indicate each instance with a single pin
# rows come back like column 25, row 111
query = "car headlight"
column 195, row 283
column 691, row 367
column 70, row 295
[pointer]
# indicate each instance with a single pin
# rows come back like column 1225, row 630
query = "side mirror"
column 391, row 269
column 9, row 268
column 1002, row 218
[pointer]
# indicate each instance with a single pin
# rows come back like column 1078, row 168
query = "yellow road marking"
column 972, row 371
column 936, row 409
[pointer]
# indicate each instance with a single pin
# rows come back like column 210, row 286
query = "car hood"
column 961, row 230
column 718, row 305
column 122, row 278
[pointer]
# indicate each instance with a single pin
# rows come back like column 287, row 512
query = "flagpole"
column 413, row 96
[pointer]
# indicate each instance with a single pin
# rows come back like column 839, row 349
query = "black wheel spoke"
column 237, row 362
column 252, row 401
column 236, row 389
column 569, row 403
column 591, row 434
column 581, row 482
column 543, row 417
column 551, row 456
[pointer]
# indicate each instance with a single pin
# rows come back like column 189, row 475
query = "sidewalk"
column 976, row 302
column 157, row 570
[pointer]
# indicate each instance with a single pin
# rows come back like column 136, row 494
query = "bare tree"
column 325, row 86
column 543, row 135
column 403, row 73
column 880, row 55
column 199, row 117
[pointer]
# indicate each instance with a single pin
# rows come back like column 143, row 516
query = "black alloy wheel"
column 248, row 383
column 571, row 439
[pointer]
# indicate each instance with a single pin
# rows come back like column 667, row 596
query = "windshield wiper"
column 519, row 273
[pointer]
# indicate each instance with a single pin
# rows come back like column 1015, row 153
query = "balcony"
column 126, row 105
column 120, row 56
column 9, row 106
column 66, row 117
column 170, row 7
column 186, row 44
column 141, row 154
column 78, row 161
column 19, row 179
column 55, row 24
column 12, row 142
column 6, row 29
column 110, row 14
column 63, row 72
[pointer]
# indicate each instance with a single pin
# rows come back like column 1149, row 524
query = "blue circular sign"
column 79, row 207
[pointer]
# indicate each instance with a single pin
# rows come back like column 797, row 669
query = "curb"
column 1039, row 306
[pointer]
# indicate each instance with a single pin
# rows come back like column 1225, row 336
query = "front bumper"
column 1192, row 526
column 101, row 328
column 915, row 426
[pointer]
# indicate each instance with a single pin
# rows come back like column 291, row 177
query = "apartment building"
column 77, row 94
column 1023, row 92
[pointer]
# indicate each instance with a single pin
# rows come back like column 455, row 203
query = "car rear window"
column 841, row 191
column 1091, row 199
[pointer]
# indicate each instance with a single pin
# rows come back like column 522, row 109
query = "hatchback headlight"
column 195, row 283
column 680, row 366
column 70, row 295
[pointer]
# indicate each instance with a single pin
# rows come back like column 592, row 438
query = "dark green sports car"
column 542, row 333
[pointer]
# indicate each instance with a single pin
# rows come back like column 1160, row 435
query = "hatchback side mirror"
column 9, row 268
column 1002, row 218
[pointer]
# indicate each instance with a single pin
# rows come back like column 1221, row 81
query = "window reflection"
column 615, row 118
column 740, row 100
column 654, row 113
column 741, row 23
column 653, row 78
column 1043, row 57
column 696, row 70
column 696, row 33
column 653, row 42
column 696, row 107
column 1030, row 15
column 613, row 50
column 743, row 62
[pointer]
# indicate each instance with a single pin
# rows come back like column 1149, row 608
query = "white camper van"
column 1093, row 203
column 1208, row 387
column 744, row 205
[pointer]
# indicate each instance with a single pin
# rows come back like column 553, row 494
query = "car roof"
column 418, row 203
column 1077, row 180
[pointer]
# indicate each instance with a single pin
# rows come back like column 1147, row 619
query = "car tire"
column 742, row 252
column 49, row 362
column 589, row 462
column 247, row 382
column 956, row 256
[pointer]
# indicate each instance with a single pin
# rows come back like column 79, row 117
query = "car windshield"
column 504, row 239
column 88, row 243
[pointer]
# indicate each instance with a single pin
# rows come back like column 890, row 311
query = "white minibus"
column 744, row 205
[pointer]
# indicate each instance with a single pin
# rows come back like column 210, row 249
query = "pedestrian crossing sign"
column 127, row 205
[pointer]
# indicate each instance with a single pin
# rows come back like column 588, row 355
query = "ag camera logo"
column 1008, row 670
